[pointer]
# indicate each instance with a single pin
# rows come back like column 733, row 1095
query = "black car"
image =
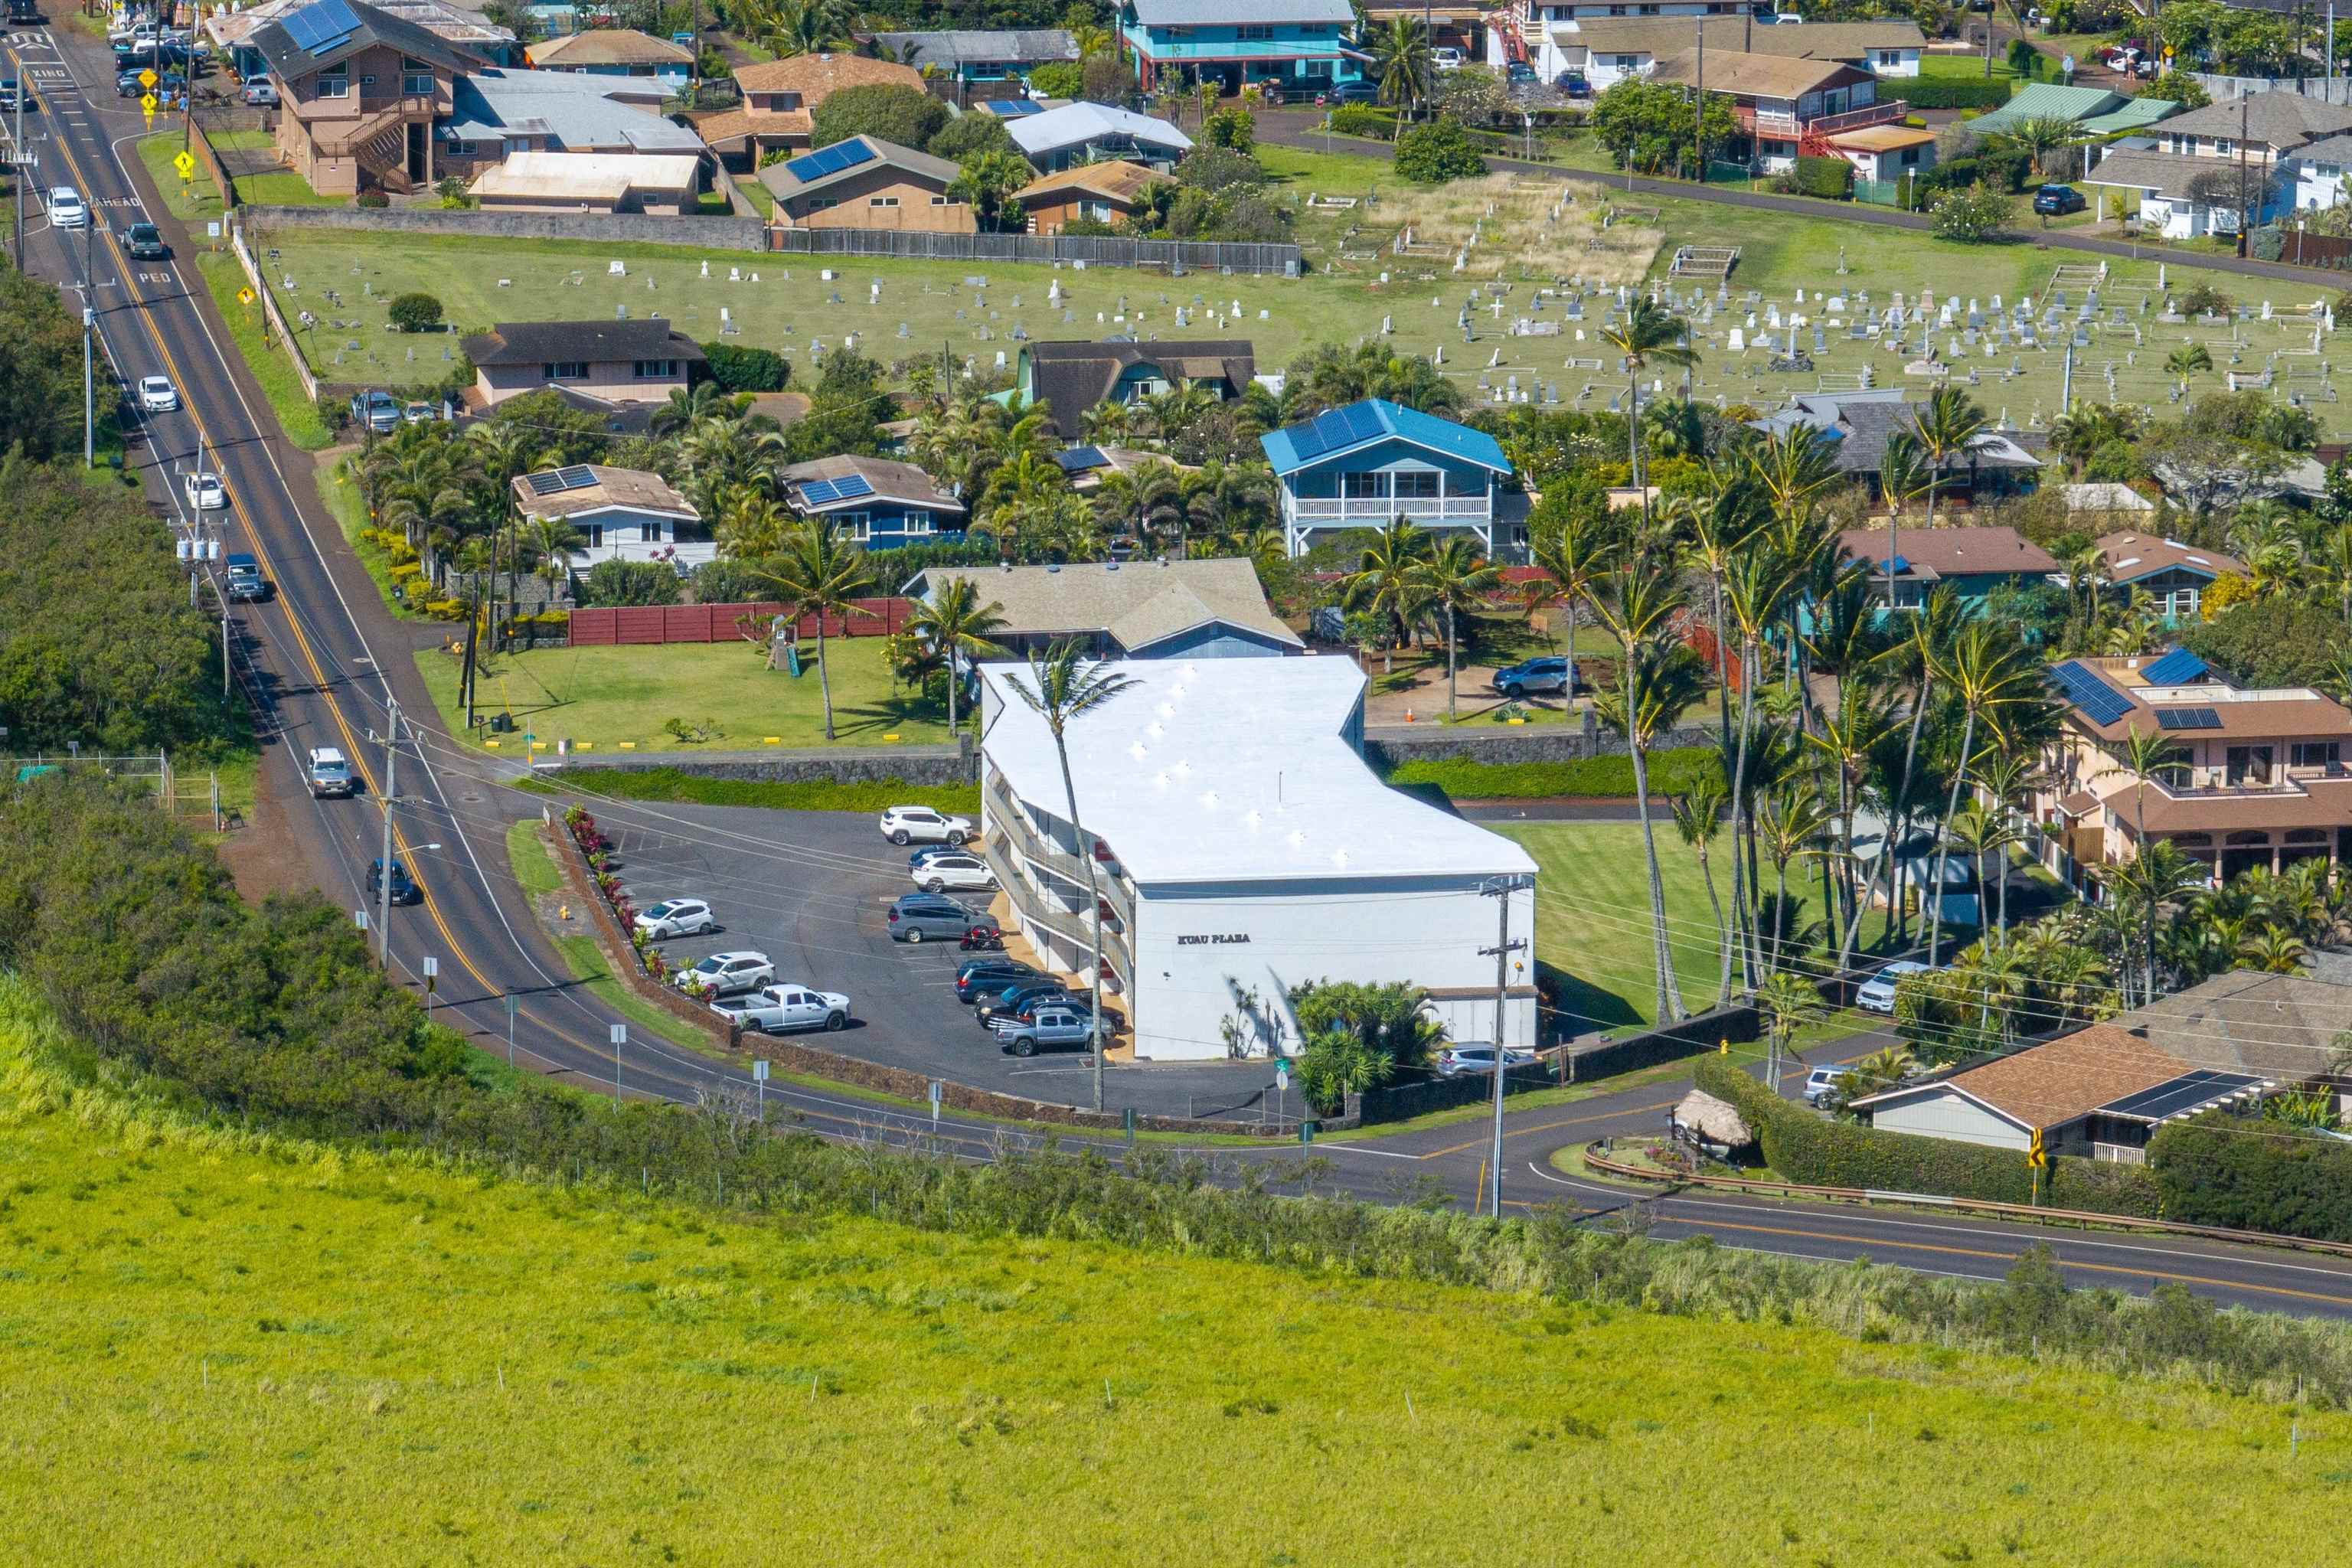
column 146, row 243
column 10, row 88
column 975, row 980
column 403, row 890
column 2057, row 201
column 1354, row 92
column 1016, row 997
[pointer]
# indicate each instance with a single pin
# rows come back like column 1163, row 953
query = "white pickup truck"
column 330, row 774
column 775, row 1009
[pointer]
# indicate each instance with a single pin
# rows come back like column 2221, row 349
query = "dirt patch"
column 260, row 853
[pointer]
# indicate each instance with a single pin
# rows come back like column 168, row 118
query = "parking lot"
column 813, row 891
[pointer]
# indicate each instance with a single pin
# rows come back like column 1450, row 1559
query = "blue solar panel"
column 1077, row 459
column 1011, row 108
column 817, row 492
column 316, row 25
column 853, row 485
column 2178, row 667
column 806, row 167
column 2190, row 1091
column 2094, row 698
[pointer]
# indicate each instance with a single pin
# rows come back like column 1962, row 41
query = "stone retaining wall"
column 1630, row 1053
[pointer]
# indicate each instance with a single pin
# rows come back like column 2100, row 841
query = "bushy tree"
column 2271, row 641
column 1650, row 123
column 1437, row 152
column 630, row 583
column 1971, row 215
column 845, row 405
column 1207, row 168
column 40, row 369
column 905, row 115
column 1061, row 78
column 415, row 313
column 738, row 368
column 1236, row 130
column 968, row 134
column 990, row 180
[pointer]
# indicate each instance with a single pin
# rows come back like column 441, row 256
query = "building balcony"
column 1371, row 511
column 1006, row 816
column 1039, row 911
column 1176, row 51
column 1783, row 126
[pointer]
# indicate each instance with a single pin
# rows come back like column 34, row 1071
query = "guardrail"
column 1987, row 1206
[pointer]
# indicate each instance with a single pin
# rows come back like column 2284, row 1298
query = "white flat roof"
column 1234, row 769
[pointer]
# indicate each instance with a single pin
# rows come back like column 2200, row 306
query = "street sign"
column 187, row 163
column 244, row 296
column 1281, row 1078
column 432, row 973
column 147, row 78
column 147, row 105
column 2035, row 1154
column 760, row 1070
column 934, row 1105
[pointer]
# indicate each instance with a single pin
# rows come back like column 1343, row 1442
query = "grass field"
column 599, row 698
column 295, row 410
column 1592, row 916
column 286, row 1354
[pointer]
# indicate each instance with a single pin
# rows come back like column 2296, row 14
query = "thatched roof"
column 1713, row 1119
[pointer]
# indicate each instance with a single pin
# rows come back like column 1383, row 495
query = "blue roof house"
column 882, row 503
column 1300, row 45
column 1361, row 466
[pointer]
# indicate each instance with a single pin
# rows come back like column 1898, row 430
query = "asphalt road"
column 322, row 662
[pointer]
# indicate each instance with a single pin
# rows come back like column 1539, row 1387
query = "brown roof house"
column 1071, row 377
column 602, row 364
column 1970, row 561
column 359, row 90
column 781, row 97
column 1110, row 193
column 868, row 182
column 1784, row 105
column 620, row 514
column 2100, row 1092
column 2173, row 575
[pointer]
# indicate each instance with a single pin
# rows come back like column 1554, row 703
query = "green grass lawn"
column 1592, row 916
column 296, row 411
column 599, row 698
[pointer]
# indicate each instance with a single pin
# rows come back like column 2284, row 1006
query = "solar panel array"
column 2094, row 698
column 2187, row 719
column 2187, row 1092
column 316, row 26
column 2177, row 667
column 830, row 160
column 578, row 477
column 1011, row 108
column 823, row 492
column 1335, row 428
column 1077, row 459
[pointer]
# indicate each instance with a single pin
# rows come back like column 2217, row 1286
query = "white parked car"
column 204, row 490
column 775, row 1009
column 963, row 872
column 1876, row 995
column 921, row 824
column 1456, row 1060
column 66, row 209
column 725, row 973
column 157, row 395
column 676, row 917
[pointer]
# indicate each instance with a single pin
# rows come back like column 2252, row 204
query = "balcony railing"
column 1025, row 841
column 1381, row 509
column 1787, row 126
column 1035, row 910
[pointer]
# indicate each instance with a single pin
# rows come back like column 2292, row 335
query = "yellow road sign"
column 187, row 163
column 148, row 103
column 244, row 296
column 148, row 77
column 2035, row 1154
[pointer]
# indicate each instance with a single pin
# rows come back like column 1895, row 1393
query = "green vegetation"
column 297, row 412
column 600, row 697
column 344, row 503
column 822, row 794
column 1592, row 927
column 2269, row 1173
column 1597, row 778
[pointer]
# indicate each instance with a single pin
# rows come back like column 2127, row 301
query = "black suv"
column 146, row 243
column 2057, row 201
column 403, row 892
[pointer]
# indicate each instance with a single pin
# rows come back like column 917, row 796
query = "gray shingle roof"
column 597, row 342
column 2283, row 120
column 1862, row 421
column 1137, row 604
column 1072, row 377
column 955, row 46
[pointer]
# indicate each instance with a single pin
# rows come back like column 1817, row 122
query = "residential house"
column 1091, row 133
column 591, row 183
column 1785, row 106
column 868, row 182
column 1071, row 377
column 2099, row 1093
column 359, row 92
column 2091, row 110
column 494, row 114
column 1091, row 193
column 881, row 502
column 1970, row 562
column 2183, row 180
column 615, row 51
column 781, row 99
column 2173, row 575
column 2285, row 1029
column 2258, row 781
column 598, row 363
column 1089, row 466
column 975, row 56
column 2319, row 169
column 1142, row 609
column 1608, row 49
column 1299, row 45
column 1858, row 423
column 621, row 514
column 1361, row 466
column 1884, row 153
column 1529, row 32
column 232, row 31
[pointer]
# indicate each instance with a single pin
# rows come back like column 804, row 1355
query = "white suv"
column 1876, row 995
column 674, row 917
column 725, row 973
column 66, row 209
column 920, row 824
column 963, row 872
column 157, row 395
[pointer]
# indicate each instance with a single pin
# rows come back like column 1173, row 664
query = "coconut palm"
column 1949, row 422
column 1989, row 673
column 1985, row 834
column 2188, row 359
column 1649, row 334
column 751, row 526
column 821, row 572
column 1063, row 688
column 1915, row 658
column 1387, row 582
column 1698, row 817
column 1572, row 555
column 1454, row 577
column 954, row 621
column 1848, row 740
column 1788, row 1002
column 2042, row 135
column 1141, row 500
column 1793, row 823
column 689, row 405
column 2160, row 877
column 1223, row 498
column 1403, row 63
column 548, row 544
column 2148, row 754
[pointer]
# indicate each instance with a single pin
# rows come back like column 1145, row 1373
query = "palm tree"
column 2042, row 135
column 549, row 542
column 2190, row 359
column 1698, row 817
column 1387, row 581
column 1454, row 576
column 2160, row 876
column 1989, row 673
column 1063, row 688
column 1790, row 1002
column 1931, row 632
column 1140, row 499
column 2148, row 754
column 1848, row 740
column 2275, row 950
column 1648, row 333
column 1223, row 498
column 752, row 526
column 820, row 573
column 1402, row 63
column 1949, row 422
column 1882, row 1069
column 1792, row 825
column 1985, row 834
column 689, row 407
column 1902, row 474
column 1640, row 601
column 954, row 621
column 1573, row 557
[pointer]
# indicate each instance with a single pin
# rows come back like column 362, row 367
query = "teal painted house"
column 1299, row 45
column 1971, row 561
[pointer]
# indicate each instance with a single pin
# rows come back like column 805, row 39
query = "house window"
column 939, row 201
column 2316, row 753
column 655, row 370
column 366, row 83
column 564, row 370
column 917, row 522
column 595, row 531
column 1364, row 487
column 1888, row 59
column 1910, row 157
column 460, row 150
column 818, row 203
column 416, row 84
column 649, row 532
column 1254, row 30
column 1416, row 484
column 337, row 85
column 2249, row 766
column 2221, row 145
column 860, row 525
column 881, row 201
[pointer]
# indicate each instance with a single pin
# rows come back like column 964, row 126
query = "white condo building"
column 1243, row 846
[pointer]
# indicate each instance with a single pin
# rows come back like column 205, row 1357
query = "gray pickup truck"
column 1049, row 1024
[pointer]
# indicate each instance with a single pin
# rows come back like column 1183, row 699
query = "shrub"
column 372, row 199
column 742, row 369
column 1061, row 78
column 1434, row 153
column 1214, row 169
column 2204, row 301
column 1831, row 178
column 1947, row 92
column 334, row 413
column 1972, row 216
column 2252, row 1175
column 906, row 115
column 415, row 313
column 1236, row 130
column 1671, row 773
column 970, row 133
column 629, row 583
column 1363, row 119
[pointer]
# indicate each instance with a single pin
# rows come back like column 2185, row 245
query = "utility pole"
column 383, row 879
column 1699, row 113
column 1500, row 889
column 16, row 162
column 224, row 654
column 88, row 392
column 2245, row 112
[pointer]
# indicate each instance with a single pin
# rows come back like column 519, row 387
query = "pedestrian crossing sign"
column 244, row 296
column 187, row 163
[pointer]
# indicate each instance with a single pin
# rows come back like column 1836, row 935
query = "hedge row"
column 1815, row 1151
column 1831, row 179
column 2252, row 1175
column 1606, row 778
column 1943, row 92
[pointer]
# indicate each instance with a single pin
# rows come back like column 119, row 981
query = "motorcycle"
column 983, row 939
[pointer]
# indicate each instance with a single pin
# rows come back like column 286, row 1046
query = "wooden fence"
column 643, row 624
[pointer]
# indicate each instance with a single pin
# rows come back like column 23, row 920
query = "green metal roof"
column 2047, row 101
column 2137, row 114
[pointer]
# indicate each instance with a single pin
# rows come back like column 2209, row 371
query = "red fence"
column 716, row 623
